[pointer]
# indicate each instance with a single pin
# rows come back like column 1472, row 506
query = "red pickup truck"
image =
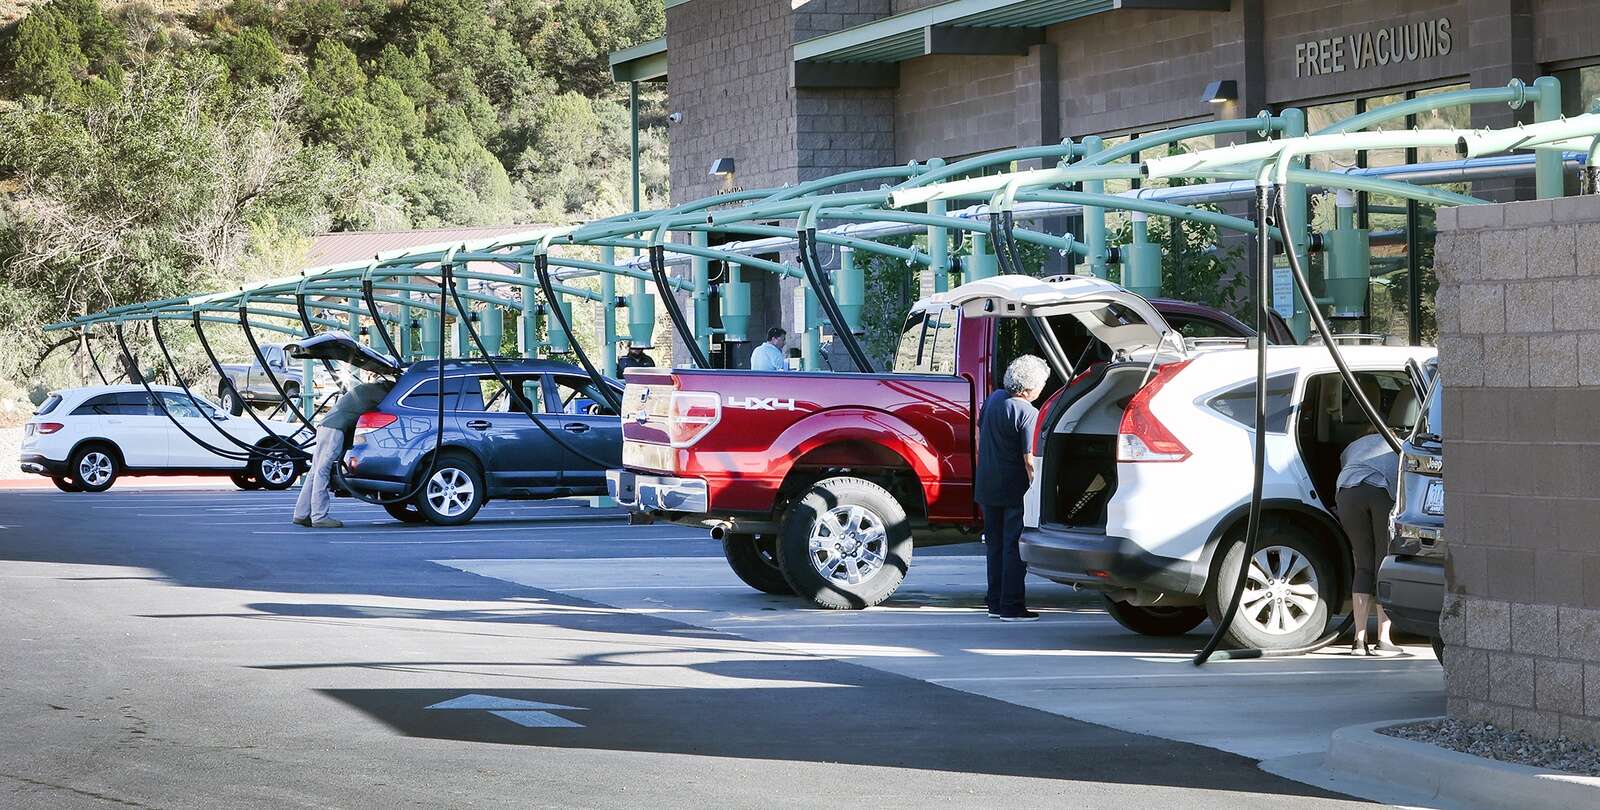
column 817, row 483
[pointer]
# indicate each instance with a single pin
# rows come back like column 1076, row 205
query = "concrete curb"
column 1456, row 778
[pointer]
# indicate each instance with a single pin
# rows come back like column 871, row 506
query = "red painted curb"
column 146, row 482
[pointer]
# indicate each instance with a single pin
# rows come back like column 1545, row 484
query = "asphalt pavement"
column 178, row 649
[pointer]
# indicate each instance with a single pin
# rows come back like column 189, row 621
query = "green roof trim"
column 906, row 36
column 645, row 62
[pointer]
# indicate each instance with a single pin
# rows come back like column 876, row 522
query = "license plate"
column 1433, row 499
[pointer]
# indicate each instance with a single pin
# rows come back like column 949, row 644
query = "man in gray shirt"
column 1004, row 471
column 311, row 508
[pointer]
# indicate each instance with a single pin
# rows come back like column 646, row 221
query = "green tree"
column 44, row 55
column 253, row 57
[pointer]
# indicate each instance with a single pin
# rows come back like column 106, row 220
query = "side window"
column 426, row 395
column 492, row 397
column 908, row 354
column 578, row 396
column 102, row 405
column 939, row 348
column 1239, row 403
column 180, row 406
column 1191, row 327
column 136, row 403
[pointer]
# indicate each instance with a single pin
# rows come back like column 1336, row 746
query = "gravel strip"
column 1516, row 747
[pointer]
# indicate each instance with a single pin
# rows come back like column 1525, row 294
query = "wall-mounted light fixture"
column 722, row 167
column 1221, row 91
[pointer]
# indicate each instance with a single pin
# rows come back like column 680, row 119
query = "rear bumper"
column 39, row 465
column 1411, row 590
column 657, row 493
column 377, row 485
column 1105, row 562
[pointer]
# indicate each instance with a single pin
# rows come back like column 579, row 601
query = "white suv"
column 1144, row 464
column 85, row 438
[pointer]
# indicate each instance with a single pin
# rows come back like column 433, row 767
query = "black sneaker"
column 1024, row 616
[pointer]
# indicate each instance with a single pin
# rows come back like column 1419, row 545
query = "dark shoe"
column 305, row 521
column 1386, row 647
column 1024, row 616
column 1359, row 649
column 327, row 523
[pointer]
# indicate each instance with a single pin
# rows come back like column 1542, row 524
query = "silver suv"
column 1411, row 578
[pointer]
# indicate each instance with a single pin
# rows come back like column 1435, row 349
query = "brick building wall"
column 1519, row 342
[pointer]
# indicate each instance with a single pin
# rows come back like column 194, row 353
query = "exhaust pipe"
column 720, row 530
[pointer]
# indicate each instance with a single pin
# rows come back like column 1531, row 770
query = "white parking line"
column 1196, row 673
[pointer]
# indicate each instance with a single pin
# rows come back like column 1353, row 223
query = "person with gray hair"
column 1003, row 473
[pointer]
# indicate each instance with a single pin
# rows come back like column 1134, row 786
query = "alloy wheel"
column 1280, row 593
column 848, row 544
column 94, row 468
column 450, row 491
column 276, row 470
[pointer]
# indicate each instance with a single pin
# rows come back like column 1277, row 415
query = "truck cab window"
column 908, row 353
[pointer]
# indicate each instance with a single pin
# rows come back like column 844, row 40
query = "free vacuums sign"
column 1388, row 45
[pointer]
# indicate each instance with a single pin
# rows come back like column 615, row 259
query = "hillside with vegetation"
column 153, row 150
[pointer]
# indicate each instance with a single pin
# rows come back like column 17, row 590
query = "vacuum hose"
column 1270, row 199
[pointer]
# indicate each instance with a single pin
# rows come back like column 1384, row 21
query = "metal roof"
column 645, row 62
column 904, row 36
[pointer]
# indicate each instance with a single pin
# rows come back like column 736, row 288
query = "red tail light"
column 1142, row 437
column 372, row 420
column 47, row 428
column 1038, row 423
column 691, row 415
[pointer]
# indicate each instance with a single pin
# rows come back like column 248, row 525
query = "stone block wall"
column 1519, row 345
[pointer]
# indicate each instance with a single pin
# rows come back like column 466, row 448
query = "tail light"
column 1038, row 422
column 373, row 420
column 1142, row 437
column 691, row 415
column 47, row 428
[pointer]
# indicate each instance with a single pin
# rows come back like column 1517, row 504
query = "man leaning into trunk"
column 1004, row 471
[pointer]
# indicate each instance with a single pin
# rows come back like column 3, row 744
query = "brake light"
column 691, row 415
column 1142, row 437
column 47, row 428
column 373, row 420
column 1038, row 422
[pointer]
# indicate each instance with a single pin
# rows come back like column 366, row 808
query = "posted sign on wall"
column 1387, row 45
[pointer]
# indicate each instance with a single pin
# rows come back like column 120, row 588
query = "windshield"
column 1430, row 424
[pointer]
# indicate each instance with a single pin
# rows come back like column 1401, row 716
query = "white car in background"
column 1144, row 465
column 84, row 439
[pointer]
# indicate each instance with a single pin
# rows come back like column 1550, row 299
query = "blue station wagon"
column 492, row 446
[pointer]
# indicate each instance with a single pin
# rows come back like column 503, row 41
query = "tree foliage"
column 148, row 155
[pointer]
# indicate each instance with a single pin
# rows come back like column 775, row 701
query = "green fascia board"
column 645, row 62
column 900, row 37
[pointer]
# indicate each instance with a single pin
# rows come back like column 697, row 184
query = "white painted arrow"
column 528, row 713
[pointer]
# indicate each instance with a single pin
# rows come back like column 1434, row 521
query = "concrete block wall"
column 1519, row 345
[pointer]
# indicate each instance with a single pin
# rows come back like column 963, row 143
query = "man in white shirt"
column 769, row 356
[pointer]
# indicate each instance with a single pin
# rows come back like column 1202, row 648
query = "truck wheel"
column 1156, row 621
column 1290, row 584
column 755, row 559
column 845, row 544
column 230, row 401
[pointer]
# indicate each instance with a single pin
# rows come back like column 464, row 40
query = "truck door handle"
column 479, row 424
column 575, row 427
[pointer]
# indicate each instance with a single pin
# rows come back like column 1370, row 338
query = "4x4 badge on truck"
column 762, row 404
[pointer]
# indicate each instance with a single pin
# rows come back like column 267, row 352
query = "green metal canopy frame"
column 400, row 290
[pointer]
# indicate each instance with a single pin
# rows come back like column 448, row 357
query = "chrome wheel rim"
column 94, row 468
column 1280, row 592
column 450, row 491
column 849, row 545
column 276, row 470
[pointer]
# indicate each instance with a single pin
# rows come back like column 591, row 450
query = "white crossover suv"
column 1144, row 463
column 86, row 438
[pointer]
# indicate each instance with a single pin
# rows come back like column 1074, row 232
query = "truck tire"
column 845, row 544
column 1156, row 621
column 1292, row 582
column 755, row 560
column 230, row 401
